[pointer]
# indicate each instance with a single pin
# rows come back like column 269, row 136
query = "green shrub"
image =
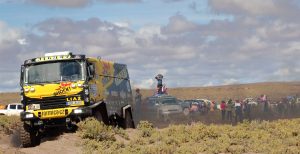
column 95, row 130
column 8, row 123
column 146, row 128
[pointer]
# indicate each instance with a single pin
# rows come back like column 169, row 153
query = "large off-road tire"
column 98, row 115
column 128, row 121
column 29, row 137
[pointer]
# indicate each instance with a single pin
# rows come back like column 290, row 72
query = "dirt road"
column 67, row 143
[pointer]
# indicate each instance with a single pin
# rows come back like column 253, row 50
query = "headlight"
column 30, row 115
column 76, row 111
column 86, row 91
column 73, row 85
column 32, row 89
column 34, row 107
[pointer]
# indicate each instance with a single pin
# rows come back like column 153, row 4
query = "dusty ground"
column 67, row 143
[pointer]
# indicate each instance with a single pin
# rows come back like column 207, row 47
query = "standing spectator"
column 280, row 107
column 212, row 106
column 264, row 100
column 238, row 111
column 159, row 78
column 247, row 109
column 229, row 108
column 138, row 101
column 223, row 109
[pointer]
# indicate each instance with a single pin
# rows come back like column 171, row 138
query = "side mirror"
column 22, row 75
column 91, row 71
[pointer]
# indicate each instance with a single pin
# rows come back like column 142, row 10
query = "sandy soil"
column 67, row 143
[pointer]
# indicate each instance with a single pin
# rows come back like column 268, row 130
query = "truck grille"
column 49, row 102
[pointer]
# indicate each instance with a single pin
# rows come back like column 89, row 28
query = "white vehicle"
column 12, row 109
column 250, row 101
column 206, row 101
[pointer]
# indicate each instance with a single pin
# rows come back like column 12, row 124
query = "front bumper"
column 73, row 113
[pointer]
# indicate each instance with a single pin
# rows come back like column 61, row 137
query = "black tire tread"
column 26, row 136
column 128, row 123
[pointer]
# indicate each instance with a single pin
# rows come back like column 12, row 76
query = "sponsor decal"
column 41, row 59
column 63, row 88
column 75, row 103
column 50, row 113
column 106, row 70
column 65, row 84
column 74, row 98
column 123, row 94
column 94, row 90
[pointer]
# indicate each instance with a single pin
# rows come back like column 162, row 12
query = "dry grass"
column 8, row 124
column 282, row 136
column 6, row 98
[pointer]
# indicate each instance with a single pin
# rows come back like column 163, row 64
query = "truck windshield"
column 54, row 72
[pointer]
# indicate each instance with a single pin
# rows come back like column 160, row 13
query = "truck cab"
column 61, row 89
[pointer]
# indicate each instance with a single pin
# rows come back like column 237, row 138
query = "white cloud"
column 8, row 33
column 260, row 43
column 145, row 84
column 208, row 84
column 283, row 72
column 74, row 3
column 22, row 41
column 179, row 24
column 230, row 81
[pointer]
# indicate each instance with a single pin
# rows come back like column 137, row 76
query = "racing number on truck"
column 53, row 113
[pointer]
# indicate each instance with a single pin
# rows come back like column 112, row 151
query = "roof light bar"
column 62, row 53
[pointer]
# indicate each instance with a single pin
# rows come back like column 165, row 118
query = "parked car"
column 12, row 109
column 250, row 101
column 194, row 105
column 162, row 106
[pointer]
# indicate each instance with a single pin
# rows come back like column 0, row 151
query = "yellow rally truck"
column 61, row 89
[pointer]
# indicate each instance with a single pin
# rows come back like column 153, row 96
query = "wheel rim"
column 186, row 111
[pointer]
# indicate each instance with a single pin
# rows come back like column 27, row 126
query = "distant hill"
column 274, row 90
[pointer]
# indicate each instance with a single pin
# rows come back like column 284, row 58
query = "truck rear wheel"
column 128, row 121
column 98, row 115
column 29, row 137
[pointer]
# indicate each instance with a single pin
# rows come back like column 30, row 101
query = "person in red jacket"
column 223, row 109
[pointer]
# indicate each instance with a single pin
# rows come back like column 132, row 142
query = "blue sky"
column 191, row 42
column 156, row 12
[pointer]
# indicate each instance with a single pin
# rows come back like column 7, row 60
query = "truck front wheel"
column 29, row 136
column 128, row 121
